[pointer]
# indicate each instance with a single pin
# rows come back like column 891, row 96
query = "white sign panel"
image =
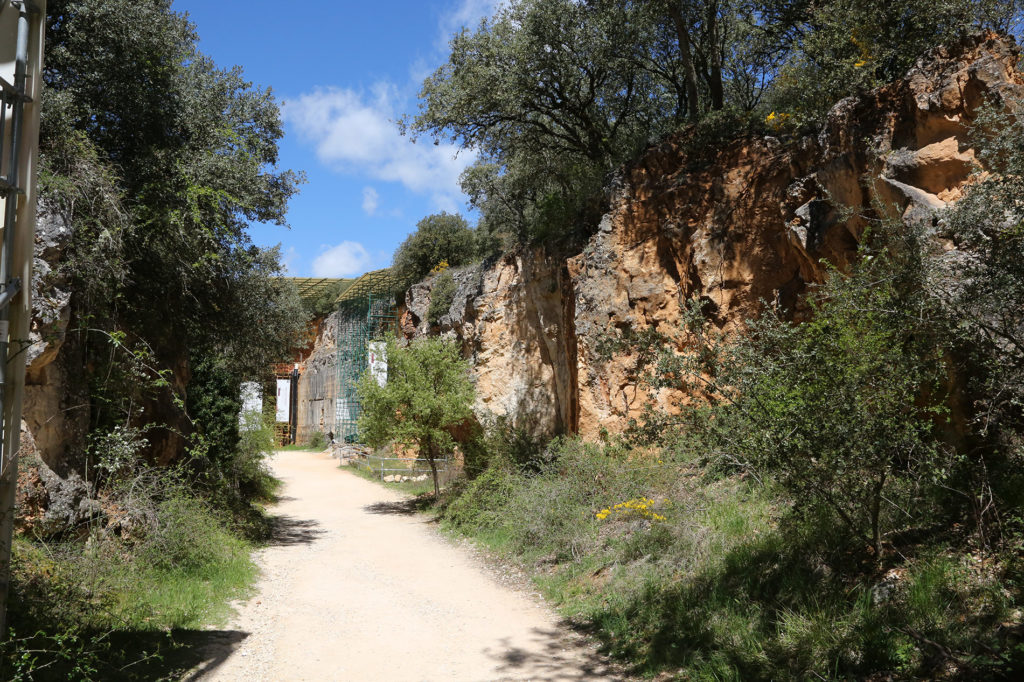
column 252, row 406
column 284, row 400
column 378, row 356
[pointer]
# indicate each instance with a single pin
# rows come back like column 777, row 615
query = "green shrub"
column 317, row 441
column 101, row 609
column 186, row 537
column 481, row 504
column 442, row 293
column 248, row 468
column 851, row 46
column 442, row 239
column 839, row 410
column 427, row 396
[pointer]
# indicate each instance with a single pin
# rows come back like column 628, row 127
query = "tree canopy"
column 158, row 160
column 427, row 394
column 554, row 94
column 441, row 240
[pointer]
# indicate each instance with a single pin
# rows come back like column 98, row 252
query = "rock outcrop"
column 752, row 223
column 53, row 412
column 515, row 321
column 317, row 385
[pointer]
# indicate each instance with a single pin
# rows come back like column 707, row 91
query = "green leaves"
column 428, row 393
column 188, row 151
column 440, row 241
column 156, row 160
column 842, row 411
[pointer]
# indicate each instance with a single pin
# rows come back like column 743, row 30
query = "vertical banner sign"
column 284, row 395
column 379, row 361
column 252, row 406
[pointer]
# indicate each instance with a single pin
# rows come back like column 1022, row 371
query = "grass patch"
column 127, row 605
column 678, row 569
column 298, row 447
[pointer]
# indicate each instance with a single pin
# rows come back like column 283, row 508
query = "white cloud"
column 288, row 258
column 467, row 14
column 370, row 200
column 347, row 259
column 355, row 132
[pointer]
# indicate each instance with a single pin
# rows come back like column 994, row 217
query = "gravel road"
column 355, row 587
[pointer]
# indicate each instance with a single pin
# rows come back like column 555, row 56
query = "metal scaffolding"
column 21, row 45
column 366, row 313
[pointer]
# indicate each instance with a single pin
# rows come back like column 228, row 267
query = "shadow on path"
column 401, row 508
column 205, row 651
column 142, row 655
column 556, row 658
column 288, row 530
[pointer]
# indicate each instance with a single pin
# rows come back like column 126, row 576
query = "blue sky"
column 344, row 71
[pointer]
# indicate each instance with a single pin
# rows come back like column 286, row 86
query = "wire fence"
column 404, row 468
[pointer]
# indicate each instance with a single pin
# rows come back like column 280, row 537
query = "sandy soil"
column 356, row 587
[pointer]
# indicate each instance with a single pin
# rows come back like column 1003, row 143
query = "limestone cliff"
column 752, row 223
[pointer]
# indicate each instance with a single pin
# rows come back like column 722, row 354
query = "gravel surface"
column 357, row 587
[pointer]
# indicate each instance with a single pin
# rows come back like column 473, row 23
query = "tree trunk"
column 432, row 461
column 715, row 53
column 876, row 513
column 685, row 54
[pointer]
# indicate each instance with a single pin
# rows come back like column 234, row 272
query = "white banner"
column 284, row 400
column 378, row 357
column 252, row 406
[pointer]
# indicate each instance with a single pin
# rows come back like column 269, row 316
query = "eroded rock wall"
column 317, row 385
column 753, row 223
column 515, row 321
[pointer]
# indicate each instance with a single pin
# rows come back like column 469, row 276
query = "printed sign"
column 378, row 357
column 252, row 406
column 284, row 400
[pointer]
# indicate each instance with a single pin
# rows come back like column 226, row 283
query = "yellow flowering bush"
column 865, row 52
column 777, row 121
column 639, row 507
column 440, row 267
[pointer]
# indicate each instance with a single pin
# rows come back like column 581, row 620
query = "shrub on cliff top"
column 439, row 238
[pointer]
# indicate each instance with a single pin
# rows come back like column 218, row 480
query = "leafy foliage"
column 442, row 293
column 979, row 289
column 427, row 394
column 157, row 160
column 838, row 410
column 677, row 568
column 153, row 161
column 553, row 95
column 843, row 47
column 323, row 304
column 106, row 610
column 442, row 238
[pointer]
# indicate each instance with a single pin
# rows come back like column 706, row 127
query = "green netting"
column 366, row 314
column 311, row 287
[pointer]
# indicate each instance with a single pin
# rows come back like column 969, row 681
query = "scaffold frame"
column 366, row 313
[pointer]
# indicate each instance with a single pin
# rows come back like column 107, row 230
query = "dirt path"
column 357, row 588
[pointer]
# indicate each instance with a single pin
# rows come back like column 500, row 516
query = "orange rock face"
column 749, row 224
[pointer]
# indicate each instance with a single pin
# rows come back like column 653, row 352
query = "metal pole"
column 16, row 265
column 293, row 399
column 11, row 208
